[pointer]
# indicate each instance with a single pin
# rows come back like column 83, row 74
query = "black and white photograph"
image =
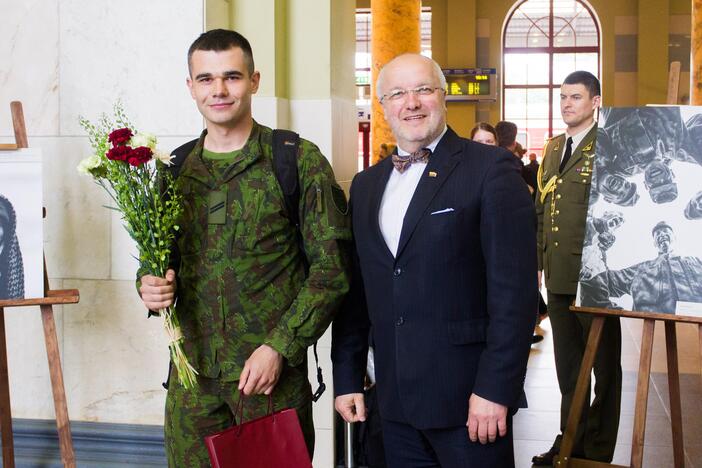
column 642, row 249
column 21, row 238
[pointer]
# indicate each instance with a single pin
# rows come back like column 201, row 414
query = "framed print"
column 642, row 250
column 21, row 235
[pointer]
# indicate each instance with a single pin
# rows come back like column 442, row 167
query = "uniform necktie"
column 403, row 162
column 568, row 153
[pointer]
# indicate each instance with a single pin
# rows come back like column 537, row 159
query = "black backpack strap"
column 286, row 145
column 180, row 154
column 285, row 148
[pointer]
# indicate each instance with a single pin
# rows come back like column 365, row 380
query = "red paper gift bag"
column 272, row 441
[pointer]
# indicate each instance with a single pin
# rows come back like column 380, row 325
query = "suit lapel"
column 375, row 196
column 441, row 163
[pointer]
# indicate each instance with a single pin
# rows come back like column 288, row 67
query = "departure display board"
column 471, row 84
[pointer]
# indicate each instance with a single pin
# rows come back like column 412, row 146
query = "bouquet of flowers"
column 128, row 166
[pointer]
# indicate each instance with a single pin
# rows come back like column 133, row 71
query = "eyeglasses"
column 400, row 94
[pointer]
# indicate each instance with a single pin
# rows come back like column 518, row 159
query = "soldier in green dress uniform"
column 564, row 181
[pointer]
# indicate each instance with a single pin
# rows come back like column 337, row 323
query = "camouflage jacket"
column 657, row 285
column 241, row 277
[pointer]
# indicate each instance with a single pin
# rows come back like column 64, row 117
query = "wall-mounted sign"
column 471, row 84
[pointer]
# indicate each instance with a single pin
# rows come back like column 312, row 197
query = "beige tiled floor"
column 535, row 427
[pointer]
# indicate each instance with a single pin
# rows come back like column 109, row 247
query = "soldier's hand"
column 158, row 293
column 606, row 240
column 351, row 407
column 261, row 371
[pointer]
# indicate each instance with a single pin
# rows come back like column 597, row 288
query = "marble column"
column 696, row 54
column 395, row 30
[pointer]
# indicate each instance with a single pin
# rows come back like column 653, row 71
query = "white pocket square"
column 445, row 210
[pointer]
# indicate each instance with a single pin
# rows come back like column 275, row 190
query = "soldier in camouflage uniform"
column 247, row 310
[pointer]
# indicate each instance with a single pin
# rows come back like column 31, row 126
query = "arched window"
column 544, row 41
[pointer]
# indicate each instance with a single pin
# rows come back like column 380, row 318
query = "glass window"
column 544, row 41
column 526, row 69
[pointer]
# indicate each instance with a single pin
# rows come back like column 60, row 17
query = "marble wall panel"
column 344, row 139
column 29, row 50
column 323, row 449
column 312, row 119
column 271, row 111
column 77, row 225
column 115, row 358
column 28, row 369
column 130, row 50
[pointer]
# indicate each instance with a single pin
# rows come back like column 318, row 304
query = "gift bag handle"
column 239, row 411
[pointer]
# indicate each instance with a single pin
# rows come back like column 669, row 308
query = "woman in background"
column 484, row 133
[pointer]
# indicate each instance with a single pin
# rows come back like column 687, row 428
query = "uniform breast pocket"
column 262, row 227
column 579, row 189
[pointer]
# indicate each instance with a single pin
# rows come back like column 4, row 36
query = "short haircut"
column 437, row 71
column 506, row 133
column 485, row 127
column 220, row 40
column 585, row 78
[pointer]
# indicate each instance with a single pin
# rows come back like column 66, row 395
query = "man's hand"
column 261, row 371
column 351, row 407
column 485, row 419
column 158, row 293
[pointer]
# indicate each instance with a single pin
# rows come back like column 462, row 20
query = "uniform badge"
column 216, row 207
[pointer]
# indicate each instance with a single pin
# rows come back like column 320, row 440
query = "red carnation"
column 119, row 153
column 120, row 136
column 139, row 156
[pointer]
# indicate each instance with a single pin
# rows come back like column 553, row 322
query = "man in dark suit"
column 443, row 280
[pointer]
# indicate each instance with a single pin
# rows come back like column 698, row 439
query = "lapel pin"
column 432, row 174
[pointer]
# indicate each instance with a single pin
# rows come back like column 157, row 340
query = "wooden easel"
column 671, row 344
column 67, row 296
column 637, row 444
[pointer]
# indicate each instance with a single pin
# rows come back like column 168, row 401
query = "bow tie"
column 403, row 162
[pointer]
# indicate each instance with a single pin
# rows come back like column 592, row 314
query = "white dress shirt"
column 577, row 139
column 397, row 196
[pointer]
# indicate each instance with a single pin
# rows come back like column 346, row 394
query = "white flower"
column 143, row 139
column 164, row 157
column 89, row 163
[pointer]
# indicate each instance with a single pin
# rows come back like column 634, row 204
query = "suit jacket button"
column 400, row 321
column 397, row 272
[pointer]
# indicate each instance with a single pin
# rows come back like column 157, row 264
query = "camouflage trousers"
column 192, row 414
